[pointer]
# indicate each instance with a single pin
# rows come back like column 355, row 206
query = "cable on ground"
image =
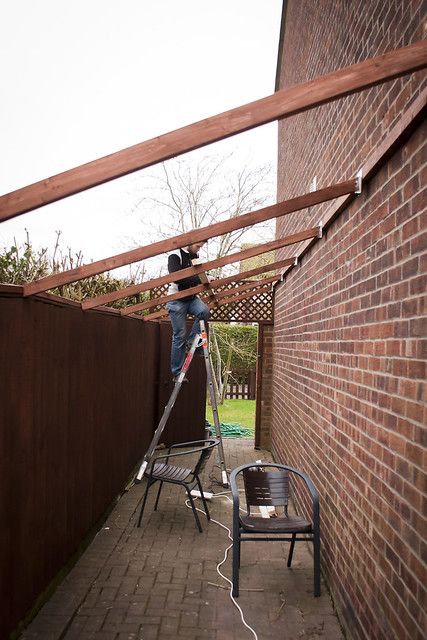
column 219, row 565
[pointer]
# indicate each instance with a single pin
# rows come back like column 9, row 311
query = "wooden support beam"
column 220, row 303
column 242, row 296
column 307, row 234
column 283, row 103
column 247, row 286
column 158, row 315
column 191, row 237
column 243, row 275
column 154, row 302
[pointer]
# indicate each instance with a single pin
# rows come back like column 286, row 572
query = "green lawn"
column 240, row 412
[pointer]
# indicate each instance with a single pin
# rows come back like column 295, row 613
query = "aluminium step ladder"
column 200, row 339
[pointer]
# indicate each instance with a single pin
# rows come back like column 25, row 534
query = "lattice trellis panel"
column 259, row 307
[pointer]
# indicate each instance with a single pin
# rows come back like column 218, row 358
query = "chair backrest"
column 205, row 454
column 266, row 488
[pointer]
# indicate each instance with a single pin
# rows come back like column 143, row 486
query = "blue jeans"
column 178, row 311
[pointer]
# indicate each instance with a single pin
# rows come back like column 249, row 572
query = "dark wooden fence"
column 79, row 400
column 243, row 387
column 187, row 420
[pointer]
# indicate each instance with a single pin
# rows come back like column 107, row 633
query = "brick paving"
column 154, row 582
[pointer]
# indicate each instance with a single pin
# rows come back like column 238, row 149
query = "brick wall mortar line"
column 300, row 407
column 301, row 367
column 358, row 508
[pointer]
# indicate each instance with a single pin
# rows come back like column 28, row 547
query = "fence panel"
column 78, row 405
column 243, row 387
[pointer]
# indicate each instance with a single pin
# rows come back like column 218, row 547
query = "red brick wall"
column 350, row 341
column 264, row 398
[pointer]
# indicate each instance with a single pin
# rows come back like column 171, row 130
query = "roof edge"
column 281, row 41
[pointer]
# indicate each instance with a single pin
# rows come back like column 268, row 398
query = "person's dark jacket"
column 181, row 259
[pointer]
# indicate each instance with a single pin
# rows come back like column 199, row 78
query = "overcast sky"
column 86, row 78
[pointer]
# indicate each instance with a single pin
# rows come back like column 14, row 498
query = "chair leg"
column 291, row 549
column 143, row 503
column 236, row 565
column 316, row 563
column 158, row 495
column 190, row 497
column 205, row 504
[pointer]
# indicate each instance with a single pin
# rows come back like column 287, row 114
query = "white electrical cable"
column 224, row 559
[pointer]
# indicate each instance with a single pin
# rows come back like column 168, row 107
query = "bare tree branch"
column 184, row 195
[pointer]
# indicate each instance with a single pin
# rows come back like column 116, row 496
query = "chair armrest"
column 208, row 445
column 313, row 492
column 186, row 444
column 234, row 488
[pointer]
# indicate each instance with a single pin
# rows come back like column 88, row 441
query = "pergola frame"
column 283, row 103
column 301, row 236
column 256, row 288
column 212, row 284
column 191, row 237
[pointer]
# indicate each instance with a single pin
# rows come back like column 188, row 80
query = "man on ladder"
column 183, row 350
column 179, row 309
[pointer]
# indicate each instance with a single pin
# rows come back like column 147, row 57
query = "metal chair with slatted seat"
column 268, row 485
column 159, row 470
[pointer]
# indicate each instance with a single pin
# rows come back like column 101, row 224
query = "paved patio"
column 158, row 581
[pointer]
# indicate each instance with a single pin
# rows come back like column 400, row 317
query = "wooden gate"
column 243, row 387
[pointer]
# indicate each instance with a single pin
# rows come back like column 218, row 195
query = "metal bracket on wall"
column 283, row 275
column 358, row 182
column 320, row 233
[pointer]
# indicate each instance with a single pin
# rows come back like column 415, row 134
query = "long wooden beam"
column 242, row 275
column 156, row 315
column 155, row 302
column 300, row 236
column 243, row 296
column 200, row 288
column 194, row 236
column 283, row 103
column 247, row 286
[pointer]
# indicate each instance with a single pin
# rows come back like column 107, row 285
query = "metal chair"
column 160, row 470
column 268, row 484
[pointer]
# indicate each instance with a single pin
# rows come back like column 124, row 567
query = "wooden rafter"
column 264, row 268
column 283, row 103
column 237, row 277
column 307, row 234
column 194, row 236
column 254, row 284
column 242, row 296
column 157, row 315
column 220, row 303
